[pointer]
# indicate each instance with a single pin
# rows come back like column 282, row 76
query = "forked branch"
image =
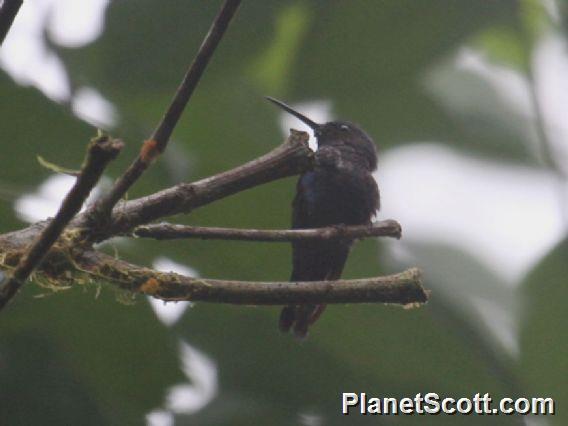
column 100, row 152
column 109, row 217
column 290, row 158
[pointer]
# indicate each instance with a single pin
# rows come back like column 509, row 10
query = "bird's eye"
column 344, row 127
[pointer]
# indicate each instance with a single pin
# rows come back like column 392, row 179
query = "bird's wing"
column 304, row 201
column 313, row 260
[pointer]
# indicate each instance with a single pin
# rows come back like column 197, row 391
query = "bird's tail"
column 299, row 318
column 325, row 265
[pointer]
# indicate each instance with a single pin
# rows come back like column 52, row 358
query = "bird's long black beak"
column 315, row 126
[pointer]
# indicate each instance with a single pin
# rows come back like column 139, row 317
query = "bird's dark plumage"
column 339, row 190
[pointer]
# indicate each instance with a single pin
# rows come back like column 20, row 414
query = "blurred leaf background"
column 472, row 80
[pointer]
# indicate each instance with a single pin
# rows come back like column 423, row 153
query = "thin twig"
column 101, row 150
column 290, row 158
column 168, row 231
column 164, row 130
column 8, row 12
column 403, row 288
column 545, row 146
column 153, row 147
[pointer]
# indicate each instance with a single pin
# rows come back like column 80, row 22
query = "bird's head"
column 340, row 133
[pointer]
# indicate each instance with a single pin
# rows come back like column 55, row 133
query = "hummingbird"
column 339, row 190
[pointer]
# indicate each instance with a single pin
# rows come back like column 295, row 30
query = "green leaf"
column 270, row 70
column 544, row 341
column 534, row 19
column 505, row 45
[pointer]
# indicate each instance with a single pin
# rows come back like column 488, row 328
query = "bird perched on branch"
column 340, row 190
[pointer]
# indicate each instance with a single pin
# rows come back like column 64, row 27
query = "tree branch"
column 164, row 130
column 153, row 147
column 403, row 288
column 73, row 258
column 80, row 263
column 8, row 12
column 291, row 158
column 168, row 231
column 100, row 152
